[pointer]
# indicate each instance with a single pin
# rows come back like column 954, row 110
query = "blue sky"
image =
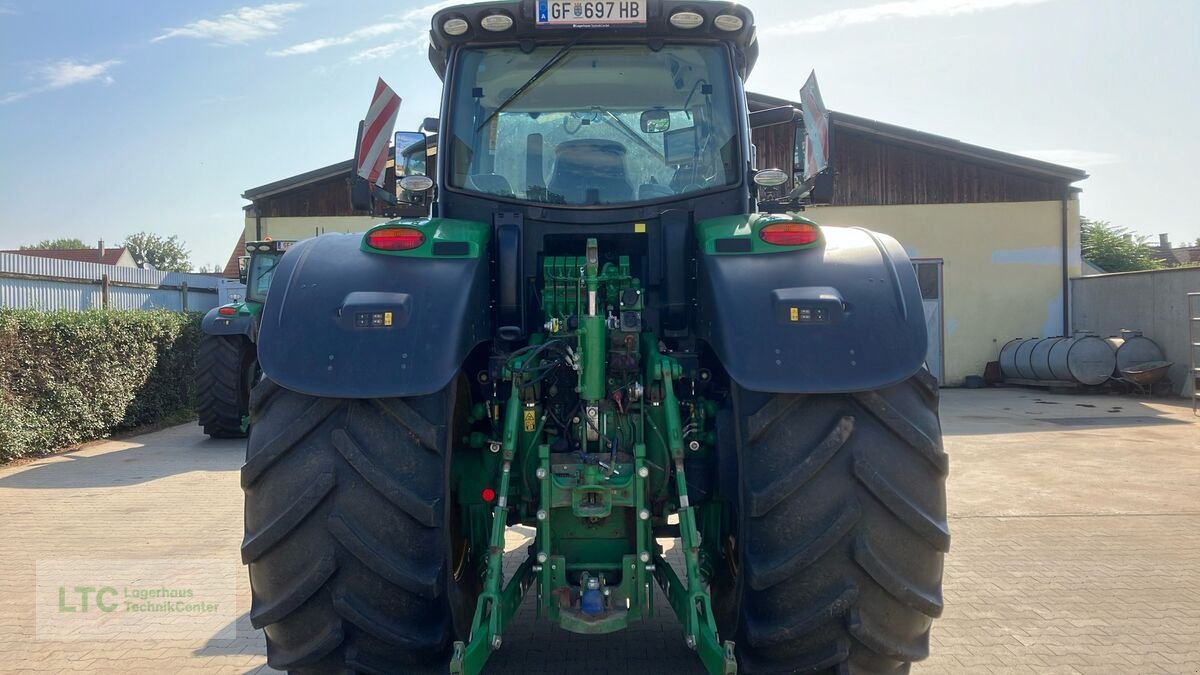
column 121, row 116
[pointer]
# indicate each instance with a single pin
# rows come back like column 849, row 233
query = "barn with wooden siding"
column 994, row 236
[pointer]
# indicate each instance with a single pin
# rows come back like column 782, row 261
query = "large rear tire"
column 836, row 561
column 352, row 539
column 225, row 367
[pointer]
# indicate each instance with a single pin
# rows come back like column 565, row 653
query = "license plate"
column 283, row 245
column 591, row 12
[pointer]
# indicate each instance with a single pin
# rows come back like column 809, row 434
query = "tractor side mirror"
column 771, row 178
column 656, row 121
column 771, row 184
column 412, row 175
column 243, row 268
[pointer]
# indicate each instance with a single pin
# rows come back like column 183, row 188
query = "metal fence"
column 30, row 282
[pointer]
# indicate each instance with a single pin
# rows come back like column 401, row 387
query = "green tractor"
column 227, row 358
column 600, row 335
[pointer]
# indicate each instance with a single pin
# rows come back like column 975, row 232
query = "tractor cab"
column 594, row 112
column 256, row 270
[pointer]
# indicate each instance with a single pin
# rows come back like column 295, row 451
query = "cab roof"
column 526, row 32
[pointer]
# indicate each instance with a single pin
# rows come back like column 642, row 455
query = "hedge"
column 69, row 377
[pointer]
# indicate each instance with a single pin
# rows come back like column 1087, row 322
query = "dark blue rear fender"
column 238, row 324
column 844, row 316
column 341, row 322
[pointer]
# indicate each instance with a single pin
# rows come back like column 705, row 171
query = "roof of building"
column 870, row 127
column 232, row 270
column 343, row 168
column 314, row 176
column 111, row 256
column 1179, row 255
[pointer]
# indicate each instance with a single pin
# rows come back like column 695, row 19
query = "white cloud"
column 899, row 9
column 65, row 73
column 383, row 51
column 236, row 27
column 358, row 35
column 1082, row 159
column 409, row 20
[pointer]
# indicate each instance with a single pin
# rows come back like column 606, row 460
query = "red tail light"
column 395, row 238
column 488, row 495
column 227, row 311
column 789, row 234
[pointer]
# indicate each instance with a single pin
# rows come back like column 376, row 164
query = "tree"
column 165, row 254
column 1115, row 249
column 55, row 245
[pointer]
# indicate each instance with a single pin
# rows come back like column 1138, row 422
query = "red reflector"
column 488, row 494
column 395, row 239
column 227, row 311
column 789, row 234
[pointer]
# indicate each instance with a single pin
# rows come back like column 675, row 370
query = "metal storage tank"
column 1132, row 349
column 1039, row 358
column 1008, row 357
column 1021, row 358
column 1082, row 358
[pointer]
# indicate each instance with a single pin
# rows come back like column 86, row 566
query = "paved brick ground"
column 1076, row 525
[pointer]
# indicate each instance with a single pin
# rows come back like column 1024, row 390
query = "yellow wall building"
column 1000, row 271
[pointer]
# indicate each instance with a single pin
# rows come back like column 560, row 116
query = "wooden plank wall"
column 871, row 171
column 330, row 197
column 774, row 146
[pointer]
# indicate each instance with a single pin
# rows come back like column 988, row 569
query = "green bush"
column 69, row 377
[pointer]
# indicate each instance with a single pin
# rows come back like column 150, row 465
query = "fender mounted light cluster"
column 395, row 238
column 790, row 234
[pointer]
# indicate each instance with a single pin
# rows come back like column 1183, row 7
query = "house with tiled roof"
column 1175, row 256
column 231, row 267
column 118, row 256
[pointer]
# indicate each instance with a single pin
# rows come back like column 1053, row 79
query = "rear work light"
column 395, row 238
column 789, row 234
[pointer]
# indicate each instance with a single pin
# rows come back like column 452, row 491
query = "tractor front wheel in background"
column 357, row 561
column 835, row 564
column 225, row 368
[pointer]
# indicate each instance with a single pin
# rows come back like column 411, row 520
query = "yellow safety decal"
column 639, row 228
column 794, row 314
column 530, row 421
column 387, row 318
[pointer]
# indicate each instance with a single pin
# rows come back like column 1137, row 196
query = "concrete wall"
column 1002, row 268
column 1152, row 302
column 305, row 227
